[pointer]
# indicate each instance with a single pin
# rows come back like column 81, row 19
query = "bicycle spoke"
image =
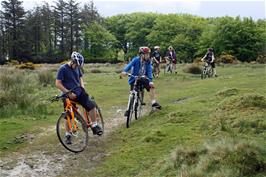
column 75, row 140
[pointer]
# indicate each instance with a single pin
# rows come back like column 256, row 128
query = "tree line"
column 50, row 33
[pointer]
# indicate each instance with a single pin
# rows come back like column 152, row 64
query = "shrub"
column 226, row 58
column 192, row 68
column 261, row 59
column 197, row 60
column 96, row 71
column 27, row 65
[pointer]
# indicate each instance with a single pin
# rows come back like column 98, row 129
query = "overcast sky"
column 211, row 8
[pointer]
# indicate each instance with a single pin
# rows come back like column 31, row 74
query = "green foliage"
column 101, row 42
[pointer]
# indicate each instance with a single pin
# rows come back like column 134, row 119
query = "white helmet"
column 156, row 47
column 78, row 58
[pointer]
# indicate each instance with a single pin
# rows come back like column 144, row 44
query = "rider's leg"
column 90, row 107
column 152, row 93
column 214, row 69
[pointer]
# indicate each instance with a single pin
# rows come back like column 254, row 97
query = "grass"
column 212, row 127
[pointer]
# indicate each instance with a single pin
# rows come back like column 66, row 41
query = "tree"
column 89, row 14
column 73, row 24
column 60, row 17
column 100, row 41
column 14, row 16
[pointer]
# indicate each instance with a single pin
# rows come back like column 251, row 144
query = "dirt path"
column 43, row 159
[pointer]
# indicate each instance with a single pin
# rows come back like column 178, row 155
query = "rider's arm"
column 128, row 67
column 59, row 85
column 212, row 58
column 81, row 82
column 204, row 57
column 149, row 72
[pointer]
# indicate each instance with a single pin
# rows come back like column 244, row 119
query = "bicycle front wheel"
column 138, row 106
column 73, row 135
column 130, row 112
column 100, row 121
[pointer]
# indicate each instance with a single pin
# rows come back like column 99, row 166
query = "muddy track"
column 54, row 160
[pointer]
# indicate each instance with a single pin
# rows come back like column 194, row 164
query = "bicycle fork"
column 71, row 124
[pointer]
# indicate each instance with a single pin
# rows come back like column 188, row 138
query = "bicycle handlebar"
column 57, row 97
column 129, row 75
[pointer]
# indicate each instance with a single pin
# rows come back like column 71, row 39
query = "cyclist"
column 171, row 55
column 69, row 76
column 141, row 65
column 209, row 58
column 156, row 59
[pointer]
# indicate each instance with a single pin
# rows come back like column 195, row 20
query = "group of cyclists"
column 156, row 59
column 69, row 76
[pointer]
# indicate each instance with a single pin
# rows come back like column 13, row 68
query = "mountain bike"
column 135, row 100
column 169, row 65
column 207, row 70
column 76, row 122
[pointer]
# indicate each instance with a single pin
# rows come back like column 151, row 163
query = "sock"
column 94, row 124
column 153, row 101
column 67, row 133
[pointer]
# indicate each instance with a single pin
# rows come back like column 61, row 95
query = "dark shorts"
column 213, row 64
column 144, row 83
column 84, row 100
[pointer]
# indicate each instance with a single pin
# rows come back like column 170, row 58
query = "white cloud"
column 191, row 6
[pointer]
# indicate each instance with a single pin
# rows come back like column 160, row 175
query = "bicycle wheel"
column 100, row 121
column 210, row 72
column 130, row 111
column 138, row 106
column 79, row 138
column 203, row 73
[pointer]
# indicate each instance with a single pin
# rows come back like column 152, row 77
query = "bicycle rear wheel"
column 79, row 138
column 130, row 112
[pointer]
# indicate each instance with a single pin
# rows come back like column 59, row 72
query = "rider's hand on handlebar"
column 151, row 84
column 72, row 96
column 123, row 74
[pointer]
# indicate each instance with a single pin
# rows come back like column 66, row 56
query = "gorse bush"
column 226, row 58
column 261, row 59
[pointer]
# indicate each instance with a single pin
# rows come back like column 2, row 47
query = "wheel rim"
column 79, row 138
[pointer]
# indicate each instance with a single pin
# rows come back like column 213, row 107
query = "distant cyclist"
column 68, row 77
column 171, row 55
column 209, row 58
column 156, row 59
column 141, row 66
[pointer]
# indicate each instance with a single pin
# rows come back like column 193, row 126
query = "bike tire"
column 79, row 139
column 100, row 121
column 138, row 107
column 130, row 112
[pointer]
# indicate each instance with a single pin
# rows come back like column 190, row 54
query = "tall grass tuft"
column 46, row 77
column 225, row 157
column 19, row 92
